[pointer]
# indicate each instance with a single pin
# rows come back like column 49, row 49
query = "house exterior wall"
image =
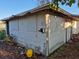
column 58, row 35
column 68, row 33
column 75, row 27
column 26, row 30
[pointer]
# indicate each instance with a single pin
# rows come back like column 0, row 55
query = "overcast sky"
column 12, row 7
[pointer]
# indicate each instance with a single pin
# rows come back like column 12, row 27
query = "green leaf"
column 67, row 2
column 70, row 2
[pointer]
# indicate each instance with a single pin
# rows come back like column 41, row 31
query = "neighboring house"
column 75, row 27
column 2, row 25
column 43, row 28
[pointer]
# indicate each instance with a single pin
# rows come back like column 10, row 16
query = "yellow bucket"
column 29, row 53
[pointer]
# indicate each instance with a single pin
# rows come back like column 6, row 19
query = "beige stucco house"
column 75, row 27
column 2, row 25
column 43, row 28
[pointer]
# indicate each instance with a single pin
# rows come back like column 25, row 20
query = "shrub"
column 2, row 34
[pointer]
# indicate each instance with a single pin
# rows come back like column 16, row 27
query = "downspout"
column 71, row 32
column 66, row 35
column 47, row 33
